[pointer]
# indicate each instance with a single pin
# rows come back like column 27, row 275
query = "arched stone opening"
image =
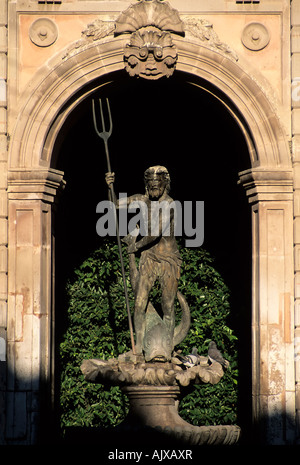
column 33, row 181
column 152, row 127
column 71, row 76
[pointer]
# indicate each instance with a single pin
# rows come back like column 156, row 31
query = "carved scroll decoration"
column 203, row 30
column 99, row 29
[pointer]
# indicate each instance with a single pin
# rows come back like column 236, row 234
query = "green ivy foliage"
column 208, row 299
column 98, row 328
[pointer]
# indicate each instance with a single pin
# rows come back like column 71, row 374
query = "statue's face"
column 156, row 185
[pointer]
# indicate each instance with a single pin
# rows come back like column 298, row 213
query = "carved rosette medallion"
column 43, row 32
column 150, row 53
column 255, row 36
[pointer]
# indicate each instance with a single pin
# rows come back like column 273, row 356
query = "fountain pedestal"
column 153, row 406
column 153, row 390
column 156, row 407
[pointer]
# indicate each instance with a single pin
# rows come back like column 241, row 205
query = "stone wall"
column 295, row 116
column 49, row 60
column 3, row 209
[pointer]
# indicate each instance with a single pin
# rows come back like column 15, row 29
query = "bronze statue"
column 160, row 259
column 152, row 378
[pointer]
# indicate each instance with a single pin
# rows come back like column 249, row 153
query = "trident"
column 105, row 135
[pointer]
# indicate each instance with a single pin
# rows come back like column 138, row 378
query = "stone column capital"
column 263, row 184
column 36, row 184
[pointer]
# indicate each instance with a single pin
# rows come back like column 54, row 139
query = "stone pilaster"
column 295, row 49
column 3, row 207
column 271, row 196
column 30, row 195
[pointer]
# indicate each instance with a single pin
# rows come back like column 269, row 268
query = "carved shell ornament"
column 150, row 13
column 150, row 52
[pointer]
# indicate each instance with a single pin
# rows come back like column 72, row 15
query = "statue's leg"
column 169, row 286
column 144, row 286
column 133, row 271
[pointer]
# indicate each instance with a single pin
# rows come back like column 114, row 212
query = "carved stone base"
column 153, row 391
column 156, row 407
column 132, row 371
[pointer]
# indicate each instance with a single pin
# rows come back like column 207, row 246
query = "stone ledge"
column 34, row 184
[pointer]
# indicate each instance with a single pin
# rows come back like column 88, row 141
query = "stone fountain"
column 153, row 389
column 153, row 374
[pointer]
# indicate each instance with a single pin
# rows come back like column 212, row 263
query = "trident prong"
column 103, row 134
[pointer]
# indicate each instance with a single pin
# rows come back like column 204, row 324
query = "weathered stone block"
column 3, row 13
column 297, row 230
column 3, row 66
column 3, row 231
column 3, row 258
column 3, row 39
column 3, row 87
column 3, row 174
column 296, row 148
column 3, row 285
column 3, row 313
column 297, row 257
column 295, row 12
column 3, row 203
column 3, row 119
column 3, row 145
column 296, row 121
column 296, row 65
column 297, row 175
column 295, row 39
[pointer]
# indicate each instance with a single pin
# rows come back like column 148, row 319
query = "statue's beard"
column 155, row 192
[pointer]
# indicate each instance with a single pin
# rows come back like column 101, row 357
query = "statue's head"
column 157, row 181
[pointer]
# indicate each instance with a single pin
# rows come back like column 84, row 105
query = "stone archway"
column 52, row 95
